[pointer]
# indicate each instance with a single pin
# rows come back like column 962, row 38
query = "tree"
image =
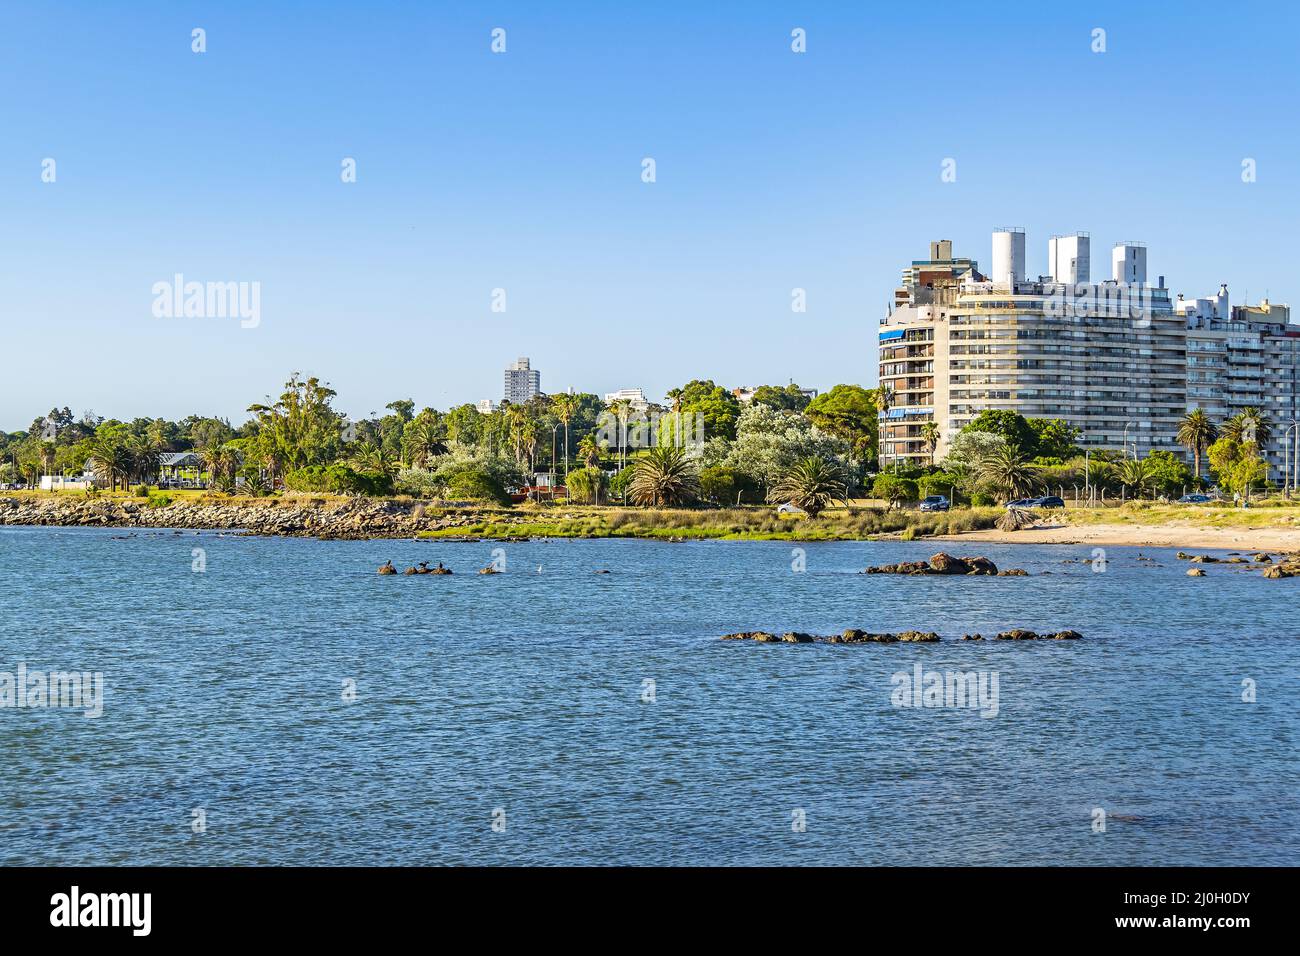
column 1196, row 432
column 849, row 413
column 1134, row 475
column 1249, row 425
column 718, row 406
column 422, row 439
column 893, row 489
column 300, row 428
column 566, row 406
column 812, row 484
column 930, row 435
column 1006, row 472
column 1011, row 426
column 664, row 476
column 787, row 398
column 586, row 484
column 1053, row 438
column 1237, row 466
column 589, row 451
column 769, row 443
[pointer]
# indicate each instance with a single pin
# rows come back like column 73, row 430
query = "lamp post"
column 1287, row 475
column 1135, row 451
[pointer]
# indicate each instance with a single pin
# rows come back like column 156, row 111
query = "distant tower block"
column 1128, row 263
column 1008, row 256
column 1069, row 259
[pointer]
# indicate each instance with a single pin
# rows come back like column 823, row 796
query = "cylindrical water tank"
column 1008, row 256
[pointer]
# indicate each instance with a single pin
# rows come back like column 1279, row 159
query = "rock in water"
column 1196, row 572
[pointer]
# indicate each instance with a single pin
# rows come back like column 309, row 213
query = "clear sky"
column 523, row 171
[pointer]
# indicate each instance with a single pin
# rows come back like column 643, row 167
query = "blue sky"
column 522, row 171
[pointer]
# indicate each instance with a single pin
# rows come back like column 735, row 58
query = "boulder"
column 1278, row 571
column 1013, row 573
column 918, row 637
column 1017, row 634
column 942, row 563
column 972, row 637
column 796, row 637
column 1196, row 572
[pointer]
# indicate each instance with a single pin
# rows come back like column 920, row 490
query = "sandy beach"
column 1177, row 535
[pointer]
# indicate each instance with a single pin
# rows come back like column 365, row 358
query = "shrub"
column 721, row 484
column 158, row 500
column 980, row 500
column 337, row 479
column 893, row 489
column 141, row 491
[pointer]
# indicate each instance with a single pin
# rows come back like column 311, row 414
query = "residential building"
column 634, row 396
column 522, row 382
column 486, row 406
column 1109, row 357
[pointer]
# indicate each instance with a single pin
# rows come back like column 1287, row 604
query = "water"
column 522, row 693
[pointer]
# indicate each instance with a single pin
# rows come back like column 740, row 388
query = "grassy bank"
column 735, row 524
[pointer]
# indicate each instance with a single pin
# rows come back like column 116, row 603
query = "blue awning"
column 891, row 334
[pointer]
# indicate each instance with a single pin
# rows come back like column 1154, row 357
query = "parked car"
column 1050, row 501
column 935, row 503
column 1196, row 499
column 1023, row 503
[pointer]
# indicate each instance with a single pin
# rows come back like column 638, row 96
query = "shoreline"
column 1150, row 536
column 377, row 518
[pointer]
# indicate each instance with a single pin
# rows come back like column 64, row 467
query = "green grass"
column 731, row 524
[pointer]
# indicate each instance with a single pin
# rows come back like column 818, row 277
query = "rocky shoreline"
column 351, row 519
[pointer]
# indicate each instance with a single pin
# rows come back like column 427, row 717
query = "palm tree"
column 1134, row 475
column 110, row 461
column 1249, row 425
column 1196, row 432
column 812, row 484
column 930, row 436
column 372, row 459
column 664, row 476
column 1007, row 473
column 566, row 406
column 883, row 396
column 423, row 440
column 589, row 450
column 619, row 408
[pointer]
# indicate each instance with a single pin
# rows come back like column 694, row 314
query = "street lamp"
column 1135, row 451
column 1287, row 473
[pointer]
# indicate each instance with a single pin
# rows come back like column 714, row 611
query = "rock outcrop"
column 941, row 563
column 853, row 635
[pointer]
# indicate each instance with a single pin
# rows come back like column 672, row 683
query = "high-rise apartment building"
column 522, row 382
column 1115, row 358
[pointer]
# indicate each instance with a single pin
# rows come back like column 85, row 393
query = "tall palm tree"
column 812, row 484
column 1196, row 432
column 1007, row 472
column 566, row 406
column 664, row 476
column 930, row 436
column 1249, row 424
column 883, row 397
column 620, row 408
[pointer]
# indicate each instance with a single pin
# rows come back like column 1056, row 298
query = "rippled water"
column 522, row 693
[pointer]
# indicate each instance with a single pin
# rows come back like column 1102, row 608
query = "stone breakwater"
column 355, row 518
column 854, row 636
